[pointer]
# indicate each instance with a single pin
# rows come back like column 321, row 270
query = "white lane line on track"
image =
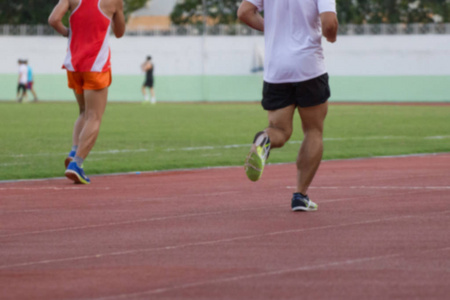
column 136, row 200
column 337, row 139
column 418, row 155
column 214, row 242
column 145, row 220
column 325, row 266
column 52, row 188
column 364, row 187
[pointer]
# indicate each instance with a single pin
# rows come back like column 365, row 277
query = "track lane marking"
column 214, row 242
column 120, row 202
column 444, row 188
column 111, row 224
column 325, row 266
column 364, row 158
column 52, row 188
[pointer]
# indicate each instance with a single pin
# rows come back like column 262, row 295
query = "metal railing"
column 242, row 30
column 394, row 29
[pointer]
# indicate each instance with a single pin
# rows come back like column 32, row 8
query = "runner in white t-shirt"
column 22, row 81
column 294, row 76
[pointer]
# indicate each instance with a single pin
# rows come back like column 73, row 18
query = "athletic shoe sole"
column 254, row 165
column 302, row 208
column 74, row 176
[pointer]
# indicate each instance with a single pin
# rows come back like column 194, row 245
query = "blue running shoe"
column 69, row 158
column 75, row 173
column 302, row 203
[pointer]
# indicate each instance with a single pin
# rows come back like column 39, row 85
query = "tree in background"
column 25, row 11
column 132, row 5
column 218, row 11
column 16, row 12
column 224, row 11
column 350, row 11
column 393, row 11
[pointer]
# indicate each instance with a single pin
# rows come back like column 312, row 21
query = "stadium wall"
column 362, row 68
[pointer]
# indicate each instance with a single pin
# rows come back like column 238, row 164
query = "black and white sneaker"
column 302, row 203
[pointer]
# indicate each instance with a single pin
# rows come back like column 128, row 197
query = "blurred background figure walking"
column 22, row 81
column 31, row 81
column 148, row 67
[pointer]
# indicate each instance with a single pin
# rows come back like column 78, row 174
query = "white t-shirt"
column 23, row 71
column 293, row 38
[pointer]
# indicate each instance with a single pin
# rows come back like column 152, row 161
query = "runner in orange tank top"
column 88, row 68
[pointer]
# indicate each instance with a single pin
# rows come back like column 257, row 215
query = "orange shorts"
column 80, row 81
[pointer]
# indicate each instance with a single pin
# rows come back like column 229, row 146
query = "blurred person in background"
column 295, row 79
column 31, row 81
column 148, row 67
column 88, row 69
column 22, row 81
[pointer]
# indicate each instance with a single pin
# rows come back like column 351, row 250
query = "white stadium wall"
column 362, row 68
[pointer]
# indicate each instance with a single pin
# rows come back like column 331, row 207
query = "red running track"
column 382, row 232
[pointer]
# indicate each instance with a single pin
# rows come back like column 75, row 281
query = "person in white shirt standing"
column 295, row 78
column 22, row 81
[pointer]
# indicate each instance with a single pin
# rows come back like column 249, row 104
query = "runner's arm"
column 118, row 20
column 330, row 26
column 146, row 66
column 55, row 18
column 248, row 13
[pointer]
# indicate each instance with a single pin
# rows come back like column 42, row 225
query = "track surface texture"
column 382, row 231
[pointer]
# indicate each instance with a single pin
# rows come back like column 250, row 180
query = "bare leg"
column 280, row 126
column 35, row 98
column 21, row 96
column 310, row 154
column 95, row 101
column 24, row 96
column 279, row 132
column 79, row 123
column 152, row 93
column 144, row 93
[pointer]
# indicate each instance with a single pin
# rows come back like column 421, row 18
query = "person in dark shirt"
column 148, row 68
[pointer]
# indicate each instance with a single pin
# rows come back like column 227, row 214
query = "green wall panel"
column 244, row 88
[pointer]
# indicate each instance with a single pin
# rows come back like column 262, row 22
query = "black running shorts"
column 21, row 87
column 149, row 83
column 304, row 94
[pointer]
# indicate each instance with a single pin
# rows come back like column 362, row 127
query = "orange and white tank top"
column 88, row 49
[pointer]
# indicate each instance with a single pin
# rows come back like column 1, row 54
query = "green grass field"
column 35, row 138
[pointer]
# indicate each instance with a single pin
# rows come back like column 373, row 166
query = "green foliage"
column 132, row 5
column 224, row 11
column 350, row 11
column 393, row 11
column 25, row 11
column 218, row 11
column 16, row 12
